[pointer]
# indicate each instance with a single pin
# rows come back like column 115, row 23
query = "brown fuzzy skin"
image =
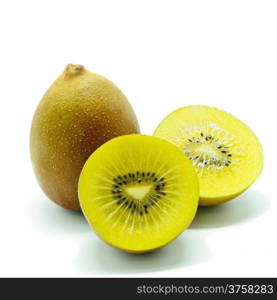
column 80, row 112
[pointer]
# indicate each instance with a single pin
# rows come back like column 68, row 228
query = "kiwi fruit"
column 79, row 112
column 138, row 192
column 226, row 154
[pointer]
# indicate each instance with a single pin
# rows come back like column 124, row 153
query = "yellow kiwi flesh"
column 226, row 154
column 138, row 192
column 78, row 113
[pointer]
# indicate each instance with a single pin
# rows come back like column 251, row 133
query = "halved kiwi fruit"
column 138, row 192
column 226, row 154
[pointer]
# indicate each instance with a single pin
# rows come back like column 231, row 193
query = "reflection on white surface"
column 186, row 250
column 94, row 257
column 50, row 218
column 247, row 206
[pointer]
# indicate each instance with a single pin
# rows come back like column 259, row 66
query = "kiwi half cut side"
column 226, row 154
column 138, row 192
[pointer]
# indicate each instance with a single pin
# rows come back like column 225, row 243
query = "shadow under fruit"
column 79, row 112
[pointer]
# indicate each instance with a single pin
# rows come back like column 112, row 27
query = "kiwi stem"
column 73, row 70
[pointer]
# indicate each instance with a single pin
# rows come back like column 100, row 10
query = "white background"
column 163, row 55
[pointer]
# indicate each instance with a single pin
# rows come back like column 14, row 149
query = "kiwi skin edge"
column 204, row 201
column 133, row 251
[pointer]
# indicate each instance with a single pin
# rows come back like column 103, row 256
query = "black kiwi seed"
column 202, row 138
column 137, row 177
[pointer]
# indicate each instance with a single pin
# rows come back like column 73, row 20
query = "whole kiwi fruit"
column 79, row 112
